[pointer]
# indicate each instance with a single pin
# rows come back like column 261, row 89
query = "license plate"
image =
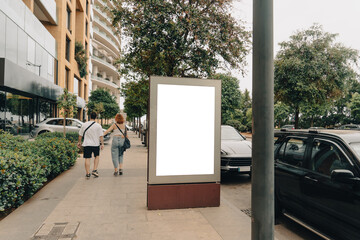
column 244, row 169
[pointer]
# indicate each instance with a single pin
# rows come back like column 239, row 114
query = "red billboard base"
column 183, row 196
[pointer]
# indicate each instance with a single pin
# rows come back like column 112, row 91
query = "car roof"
column 349, row 136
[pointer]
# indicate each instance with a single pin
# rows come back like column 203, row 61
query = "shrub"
column 236, row 124
column 25, row 165
column 61, row 152
column 21, row 176
column 72, row 137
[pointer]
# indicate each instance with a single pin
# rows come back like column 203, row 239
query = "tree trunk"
column 64, row 126
column 296, row 118
column 312, row 121
column 139, row 126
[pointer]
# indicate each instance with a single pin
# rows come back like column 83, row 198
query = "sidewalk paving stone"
column 110, row 207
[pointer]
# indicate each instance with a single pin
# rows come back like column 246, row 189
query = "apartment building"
column 105, row 47
column 71, row 32
column 37, row 59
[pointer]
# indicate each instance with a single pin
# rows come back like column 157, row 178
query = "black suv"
column 317, row 180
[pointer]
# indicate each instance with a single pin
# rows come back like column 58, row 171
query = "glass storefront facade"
column 19, row 113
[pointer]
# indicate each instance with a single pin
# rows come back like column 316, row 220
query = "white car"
column 56, row 125
column 235, row 151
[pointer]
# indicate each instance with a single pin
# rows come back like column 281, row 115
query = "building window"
column 87, row 7
column 67, row 74
column 67, row 54
column 77, row 89
column 86, row 28
column 68, row 19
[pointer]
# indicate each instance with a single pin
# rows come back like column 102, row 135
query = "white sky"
column 336, row 16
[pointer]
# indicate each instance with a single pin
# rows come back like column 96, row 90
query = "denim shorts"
column 88, row 150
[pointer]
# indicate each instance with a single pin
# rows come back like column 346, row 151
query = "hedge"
column 25, row 166
column 72, row 137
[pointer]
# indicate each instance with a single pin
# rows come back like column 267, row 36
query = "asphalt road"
column 237, row 189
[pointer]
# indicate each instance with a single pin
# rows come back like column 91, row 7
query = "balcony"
column 101, row 12
column 102, row 46
column 106, row 40
column 102, row 82
column 106, row 65
column 106, row 29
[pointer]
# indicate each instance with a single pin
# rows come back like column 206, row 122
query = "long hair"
column 119, row 119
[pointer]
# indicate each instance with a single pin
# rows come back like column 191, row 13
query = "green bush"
column 61, row 152
column 25, row 165
column 236, row 124
column 72, row 137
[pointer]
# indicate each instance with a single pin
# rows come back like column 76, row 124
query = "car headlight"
column 223, row 152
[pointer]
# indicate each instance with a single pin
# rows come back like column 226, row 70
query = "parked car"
column 8, row 126
column 350, row 127
column 316, row 128
column 235, row 151
column 288, row 127
column 56, row 125
column 317, row 180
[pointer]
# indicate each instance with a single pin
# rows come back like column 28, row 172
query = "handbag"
column 127, row 141
column 81, row 147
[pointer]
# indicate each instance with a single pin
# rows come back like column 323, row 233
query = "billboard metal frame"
column 177, row 179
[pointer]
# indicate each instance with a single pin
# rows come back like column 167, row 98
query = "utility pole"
column 262, row 196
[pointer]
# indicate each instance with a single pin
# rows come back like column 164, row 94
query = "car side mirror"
column 79, row 126
column 343, row 175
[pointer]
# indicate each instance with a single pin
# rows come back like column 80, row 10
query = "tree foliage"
column 180, row 38
column 230, row 96
column 355, row 107
column 234, row 104
column 67, row 106
column 281, row 114
column 312, row 70
column 136, row 94
column 102, row 97
column 81, row 58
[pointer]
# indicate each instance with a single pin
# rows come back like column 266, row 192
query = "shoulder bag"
column 127, row 141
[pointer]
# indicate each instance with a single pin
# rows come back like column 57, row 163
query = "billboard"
column 185, row 118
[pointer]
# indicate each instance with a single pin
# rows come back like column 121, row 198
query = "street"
column 237, row 189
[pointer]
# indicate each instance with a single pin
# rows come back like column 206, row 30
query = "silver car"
column 56, row 125
column 235, row 151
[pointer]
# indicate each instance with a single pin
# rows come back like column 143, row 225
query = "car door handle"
column 311, row 179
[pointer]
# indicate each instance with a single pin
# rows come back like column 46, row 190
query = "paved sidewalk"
column 108, row 207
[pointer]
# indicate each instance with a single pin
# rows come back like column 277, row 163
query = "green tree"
column 136, row 97
column 230, row 96
column 281, row 114
column 180, row 38
column 311, row 69
column 99, row 108
column 102, row 96
column 67, row 106
column 354, row 106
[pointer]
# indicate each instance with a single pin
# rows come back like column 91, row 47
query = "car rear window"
column 326, row 157
column 292, row 151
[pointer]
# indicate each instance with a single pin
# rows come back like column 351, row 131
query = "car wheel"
column 42, row 132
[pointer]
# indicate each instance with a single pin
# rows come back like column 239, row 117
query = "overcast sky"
column 336, row 16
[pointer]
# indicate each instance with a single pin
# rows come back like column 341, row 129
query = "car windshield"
column 229, row 133
column 356, row 147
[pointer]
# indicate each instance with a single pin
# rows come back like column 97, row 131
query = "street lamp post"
column 262, row 196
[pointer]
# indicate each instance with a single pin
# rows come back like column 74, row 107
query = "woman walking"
column 117, row 155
